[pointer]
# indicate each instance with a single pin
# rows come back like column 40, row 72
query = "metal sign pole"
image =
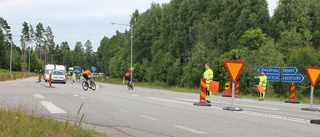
column 233, row 88
column 311, row 96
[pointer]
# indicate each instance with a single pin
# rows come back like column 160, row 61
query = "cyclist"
column 85, row 75
column 128, row 79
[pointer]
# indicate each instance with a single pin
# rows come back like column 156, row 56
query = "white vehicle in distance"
column 58, row 76
column 49, row 68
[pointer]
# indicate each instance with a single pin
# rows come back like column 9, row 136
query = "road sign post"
column 313, row 73
column 93, row 68
column 234, row 69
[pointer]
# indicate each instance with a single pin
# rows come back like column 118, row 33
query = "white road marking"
column 147, row 117
column 230, row 103
column 75, row 95
column 167, row 100
column 191, row 130
column 51, row 107
column 83, row 97
column 92, row 100
column 125, row 111
column 275, row 116
column 38, row 96
column 135, row 95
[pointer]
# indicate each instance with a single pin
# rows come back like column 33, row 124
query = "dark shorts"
column 85, row 76
column 127, row 78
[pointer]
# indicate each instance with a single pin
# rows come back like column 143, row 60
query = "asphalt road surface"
column 145, row 112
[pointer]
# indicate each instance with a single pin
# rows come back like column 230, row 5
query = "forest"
column 173, row 41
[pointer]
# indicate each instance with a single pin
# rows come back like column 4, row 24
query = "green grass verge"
column 19, row 75
column 16, row 122
column 269, row 96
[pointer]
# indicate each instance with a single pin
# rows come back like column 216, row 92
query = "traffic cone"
column 202, row 101
column 292, row 89
column 50, row 82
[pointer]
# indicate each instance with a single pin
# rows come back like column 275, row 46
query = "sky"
column 77, row 20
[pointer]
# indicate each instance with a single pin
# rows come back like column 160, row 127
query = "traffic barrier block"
column 227, row 90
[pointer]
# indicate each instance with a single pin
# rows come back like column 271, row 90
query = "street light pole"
column 11, row 60
column 29, row 59
column 131, row 42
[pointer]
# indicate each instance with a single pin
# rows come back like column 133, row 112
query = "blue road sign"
column 292, row 78
column 269, row 70
column 273, row 77
column 93, row 68
column 289, row 70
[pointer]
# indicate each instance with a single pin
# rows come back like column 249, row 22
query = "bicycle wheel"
column 93, row 85
column 84, row 85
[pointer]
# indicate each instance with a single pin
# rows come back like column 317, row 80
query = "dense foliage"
column 173, row 41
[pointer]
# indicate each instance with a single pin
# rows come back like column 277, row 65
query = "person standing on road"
column 208, row 75
column 263, row 82
column 74, row 77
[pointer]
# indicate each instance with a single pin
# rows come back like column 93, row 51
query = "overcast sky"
column 76, row 20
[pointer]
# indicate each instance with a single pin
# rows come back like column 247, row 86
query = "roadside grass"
column 16, row 122
column 269, row 96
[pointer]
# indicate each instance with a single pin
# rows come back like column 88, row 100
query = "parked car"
column 58, row 76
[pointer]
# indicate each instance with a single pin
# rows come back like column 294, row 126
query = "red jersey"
column 128, row 74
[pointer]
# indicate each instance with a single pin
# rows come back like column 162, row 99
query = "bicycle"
column 85, row 85
column 130, row 84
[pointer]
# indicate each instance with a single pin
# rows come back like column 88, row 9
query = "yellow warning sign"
column 234, row 69
column 313, row 73
column 131, row 68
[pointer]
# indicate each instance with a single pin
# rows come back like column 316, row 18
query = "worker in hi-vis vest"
column 208, row 75
column 263, row 82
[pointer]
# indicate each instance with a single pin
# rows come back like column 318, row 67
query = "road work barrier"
column 237, row 90
column 50, row 82
column 39, row 77
column 20, row 76
column 2, row 77
column 14, row 77
column 227, row 90
column 202, row 101
column 292, row 89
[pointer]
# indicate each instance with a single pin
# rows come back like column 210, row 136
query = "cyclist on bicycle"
column 85, row 75
column 127, row 77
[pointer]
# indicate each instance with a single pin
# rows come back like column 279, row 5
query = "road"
column 146, row 112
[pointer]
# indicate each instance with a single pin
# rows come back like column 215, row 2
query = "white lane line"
column 135, row 95
column 51, row 107
column 229, row 104
column 275, row 116
column 83, row 97
column 191, row 130
column 126, row 111
column 75, row 95
column 147, row 117
column 167, row 100
column 38, row 96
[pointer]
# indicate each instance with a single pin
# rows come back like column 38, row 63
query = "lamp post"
column 131, row 38
column 11, row 60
